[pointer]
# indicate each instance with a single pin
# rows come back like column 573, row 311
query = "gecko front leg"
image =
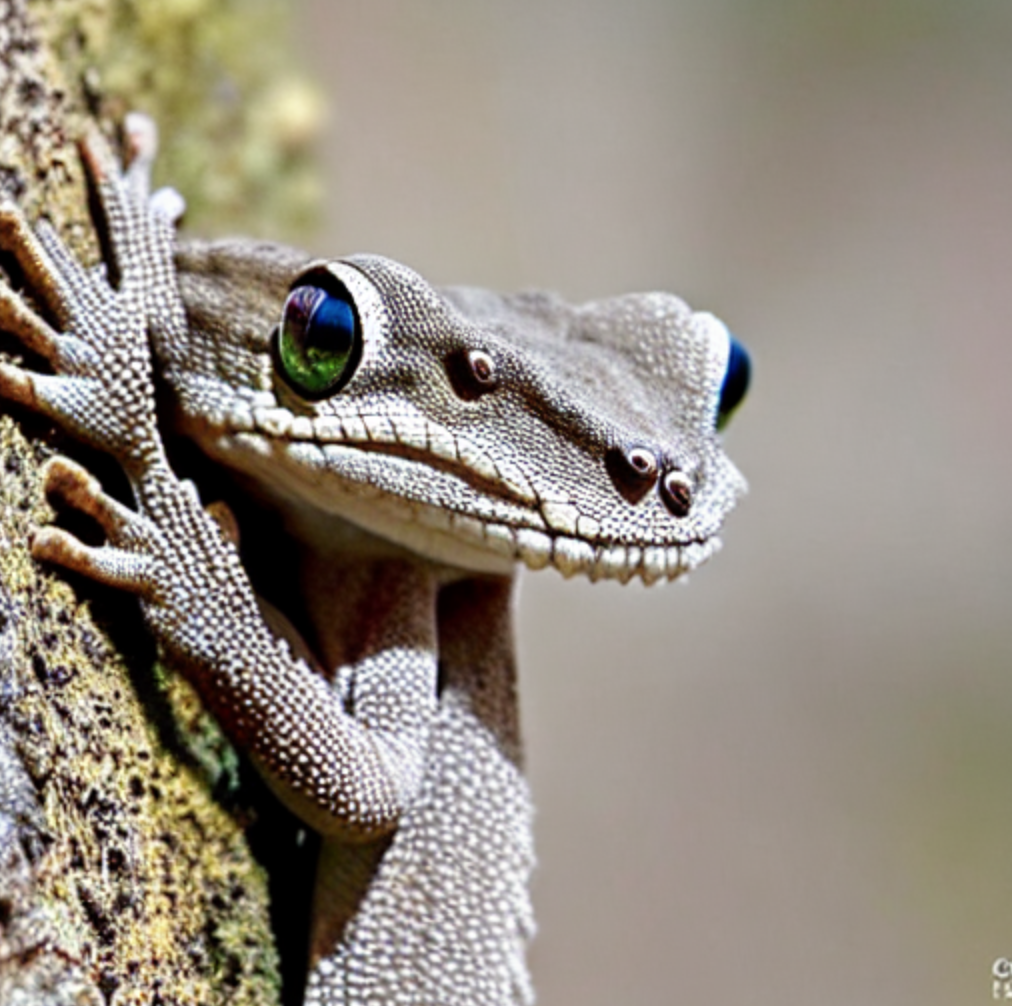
column 350, row 774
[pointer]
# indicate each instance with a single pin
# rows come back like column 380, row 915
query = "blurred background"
column 789, row 781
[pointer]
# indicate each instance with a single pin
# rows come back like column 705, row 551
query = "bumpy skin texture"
column 525, row 471
column 410, row 494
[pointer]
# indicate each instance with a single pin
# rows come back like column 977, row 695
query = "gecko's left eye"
column 736, row 378
column 319, row 340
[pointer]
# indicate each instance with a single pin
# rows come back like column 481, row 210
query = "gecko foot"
column 51, row 276
column 101, row 389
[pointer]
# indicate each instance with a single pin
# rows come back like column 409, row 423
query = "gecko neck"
column 471, row 819
column 358, row 595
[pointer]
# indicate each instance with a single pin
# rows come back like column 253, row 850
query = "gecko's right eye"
column 736, row 380
column 319, row 340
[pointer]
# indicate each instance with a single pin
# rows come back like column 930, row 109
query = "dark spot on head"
column 633, row 471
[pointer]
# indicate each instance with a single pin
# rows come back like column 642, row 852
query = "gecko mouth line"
column 475, row 480
column 526, row 536
column 496, row 490
column 482, row 485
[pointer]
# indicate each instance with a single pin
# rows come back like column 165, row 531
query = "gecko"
column 418, row 444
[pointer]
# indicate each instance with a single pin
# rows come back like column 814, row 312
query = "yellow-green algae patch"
column 140, row 879
column 238, row 118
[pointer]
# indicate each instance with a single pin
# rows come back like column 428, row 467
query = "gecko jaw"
column 454, row 532
column 483, row 518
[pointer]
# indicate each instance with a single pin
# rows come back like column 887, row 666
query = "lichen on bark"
column 125, row 873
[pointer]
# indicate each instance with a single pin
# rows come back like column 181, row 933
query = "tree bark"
column 125, row 871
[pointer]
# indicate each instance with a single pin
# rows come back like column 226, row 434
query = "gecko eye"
column 736, row 378
column 319, row 340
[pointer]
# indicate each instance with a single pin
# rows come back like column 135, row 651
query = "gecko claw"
column 168, row 204
column 141, row 141
column 67, row 479
column 221, row 513
column 17, row 385
column 99, row 160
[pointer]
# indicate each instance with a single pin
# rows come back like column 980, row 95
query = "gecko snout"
column 634, row 471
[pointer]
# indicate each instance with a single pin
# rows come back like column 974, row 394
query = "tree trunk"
column 125, row 872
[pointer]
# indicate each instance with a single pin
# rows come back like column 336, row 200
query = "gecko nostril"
column 642, row 462
column 472, row 373
column 676, row 491
column 482, row 368
column 633, row 471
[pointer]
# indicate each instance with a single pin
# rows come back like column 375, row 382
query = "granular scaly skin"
column 460, row 431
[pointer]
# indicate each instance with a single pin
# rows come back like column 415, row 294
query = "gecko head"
column 473, row 428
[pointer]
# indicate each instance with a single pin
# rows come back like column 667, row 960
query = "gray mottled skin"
column 411, row 492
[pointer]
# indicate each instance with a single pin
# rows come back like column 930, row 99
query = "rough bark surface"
column 125, row 874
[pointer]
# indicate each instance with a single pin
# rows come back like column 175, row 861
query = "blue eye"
column 319, row 340
column 736, row 378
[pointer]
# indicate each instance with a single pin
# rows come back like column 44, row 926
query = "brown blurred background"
column 791, row 781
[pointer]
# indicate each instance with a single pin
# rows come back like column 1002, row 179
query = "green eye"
column 319, row 340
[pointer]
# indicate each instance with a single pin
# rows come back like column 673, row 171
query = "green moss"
column 141, row 877
column 238, row 124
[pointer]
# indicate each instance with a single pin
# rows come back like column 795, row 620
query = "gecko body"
column 417, row 443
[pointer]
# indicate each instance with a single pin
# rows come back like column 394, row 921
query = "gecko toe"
column 68, row 480
column 75, row 486
column 99, row 160
column 112, row 566
column 17, row 385
column 23, row 323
